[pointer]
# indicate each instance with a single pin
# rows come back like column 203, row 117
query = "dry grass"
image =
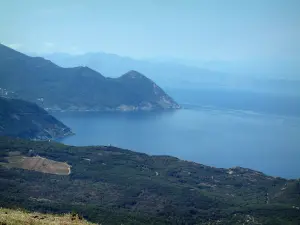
column 39, row 164
column 19, row 217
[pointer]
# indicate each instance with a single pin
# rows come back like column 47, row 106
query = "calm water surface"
column 220, row 138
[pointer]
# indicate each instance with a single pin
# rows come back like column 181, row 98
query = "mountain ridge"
column 178, row 73
column 78, row 88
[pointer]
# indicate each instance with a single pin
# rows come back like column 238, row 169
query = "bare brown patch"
column 39, row 164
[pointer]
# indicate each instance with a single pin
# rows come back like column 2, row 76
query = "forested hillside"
column 114, row 186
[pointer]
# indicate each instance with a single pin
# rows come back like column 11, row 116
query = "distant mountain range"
column 23, row 119
column 266, row 77
column 77, row 89
column 166, row 74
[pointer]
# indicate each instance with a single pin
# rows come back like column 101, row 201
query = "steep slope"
column 74, row 89
column 134, row 82
column 19, row 118
column 116, row 186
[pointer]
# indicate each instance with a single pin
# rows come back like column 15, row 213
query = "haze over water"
column 220, row 138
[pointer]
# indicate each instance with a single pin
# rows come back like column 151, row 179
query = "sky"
column 186, row 29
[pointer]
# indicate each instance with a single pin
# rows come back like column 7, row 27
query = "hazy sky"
column 188, row 29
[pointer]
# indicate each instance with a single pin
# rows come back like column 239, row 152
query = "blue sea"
column 211, row 136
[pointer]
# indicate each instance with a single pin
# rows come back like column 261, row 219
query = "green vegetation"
column 114, row 186
column 77, row 89
column 19, row 118
column 21, row 217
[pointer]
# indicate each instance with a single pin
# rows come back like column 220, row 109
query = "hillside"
column 19, row 118
column 19, row 217
column 114, row 186
column 77, row 89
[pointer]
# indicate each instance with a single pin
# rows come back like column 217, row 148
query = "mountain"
column 109, row 185
column 77, row 89
column 166, row 74
column 19, row 118
column 183, row 74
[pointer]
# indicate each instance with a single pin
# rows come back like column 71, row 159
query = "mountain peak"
column 133, row 74
column 85, row 71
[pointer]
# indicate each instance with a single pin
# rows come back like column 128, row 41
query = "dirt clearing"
column 39, row 164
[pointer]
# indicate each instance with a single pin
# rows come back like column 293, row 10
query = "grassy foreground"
column 19, row 217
